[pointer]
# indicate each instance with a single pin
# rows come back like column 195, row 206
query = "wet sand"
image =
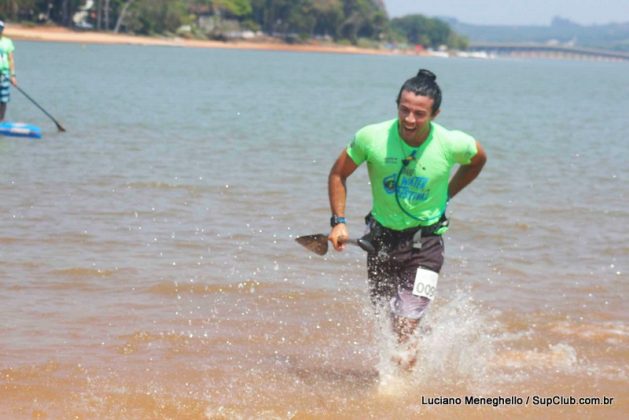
column 60, row 34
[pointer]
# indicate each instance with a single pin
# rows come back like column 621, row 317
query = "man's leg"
column 407, row 311
column 404, row 328
column 381, row 279
column 5, row 94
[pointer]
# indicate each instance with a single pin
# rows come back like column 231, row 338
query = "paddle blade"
column 317, row 243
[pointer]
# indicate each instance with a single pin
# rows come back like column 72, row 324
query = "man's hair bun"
column 427, row 74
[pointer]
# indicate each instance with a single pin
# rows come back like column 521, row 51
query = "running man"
column 409, row 162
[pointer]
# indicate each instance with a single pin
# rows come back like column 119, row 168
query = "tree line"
column 350, row 21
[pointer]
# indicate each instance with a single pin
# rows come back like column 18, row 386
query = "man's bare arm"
column 337, row 193
column 467, row 173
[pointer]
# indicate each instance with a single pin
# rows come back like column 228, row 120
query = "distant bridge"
column 548, row 51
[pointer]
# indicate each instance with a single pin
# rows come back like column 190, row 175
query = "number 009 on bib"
column 425, row 283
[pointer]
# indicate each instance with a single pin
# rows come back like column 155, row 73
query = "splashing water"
column 453, row 346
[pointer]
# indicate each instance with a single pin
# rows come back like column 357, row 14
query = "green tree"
column 272, row 15
column 149, row 17
column 328, row 15
column 301, row 18
column 236, row 8
column 363, row 18
column 10, row 9
column 430, row 32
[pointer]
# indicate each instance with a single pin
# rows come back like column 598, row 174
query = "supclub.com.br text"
column 535, row 400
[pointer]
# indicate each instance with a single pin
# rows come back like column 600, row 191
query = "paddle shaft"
column 362, row 243
column 59, row 127
column 351, row 242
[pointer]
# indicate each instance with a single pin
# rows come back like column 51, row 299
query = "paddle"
column 318, row 243
column 59, row 127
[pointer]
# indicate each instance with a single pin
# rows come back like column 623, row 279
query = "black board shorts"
column 393, row 266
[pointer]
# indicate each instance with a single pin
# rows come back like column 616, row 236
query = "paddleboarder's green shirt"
column 6, row 48
column 422, row 187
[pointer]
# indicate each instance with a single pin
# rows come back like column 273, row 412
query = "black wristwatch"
column 335, row 220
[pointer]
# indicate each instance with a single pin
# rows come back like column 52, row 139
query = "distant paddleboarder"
column 409, row 160
column 7, row 70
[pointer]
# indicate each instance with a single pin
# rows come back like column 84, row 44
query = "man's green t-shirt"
column 422, row 187
column 6, row 48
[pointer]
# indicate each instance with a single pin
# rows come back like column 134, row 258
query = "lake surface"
column 147, row 256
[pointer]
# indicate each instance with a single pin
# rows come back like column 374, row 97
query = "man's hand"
column 338, row 235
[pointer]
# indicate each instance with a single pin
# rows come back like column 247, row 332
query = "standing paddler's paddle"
column 59, row 127
column 318, row 243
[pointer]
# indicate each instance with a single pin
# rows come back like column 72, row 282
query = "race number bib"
column 425, row 283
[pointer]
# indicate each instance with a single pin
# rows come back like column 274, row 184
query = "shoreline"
column 61, row 34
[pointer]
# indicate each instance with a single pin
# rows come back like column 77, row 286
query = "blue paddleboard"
column 15, row 129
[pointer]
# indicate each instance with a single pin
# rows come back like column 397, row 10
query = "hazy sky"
column 516, row 12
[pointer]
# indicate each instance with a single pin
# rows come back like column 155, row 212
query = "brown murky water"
column 148, row 267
